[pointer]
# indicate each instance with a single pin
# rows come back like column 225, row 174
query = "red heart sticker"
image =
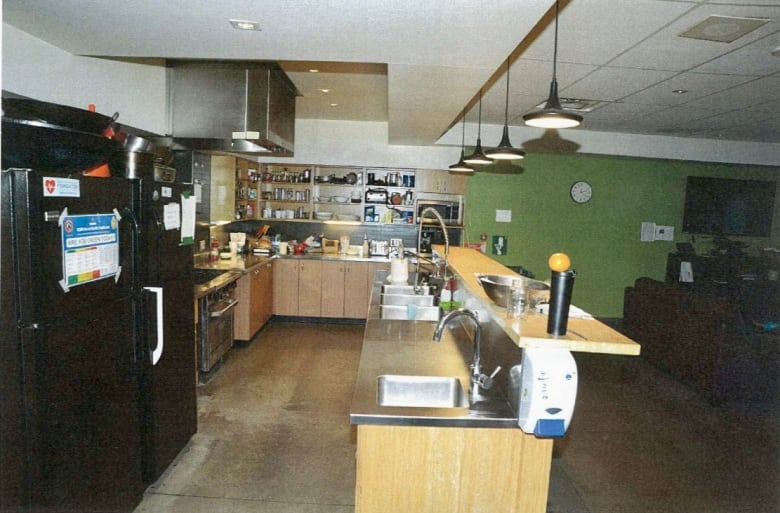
column 50, row 184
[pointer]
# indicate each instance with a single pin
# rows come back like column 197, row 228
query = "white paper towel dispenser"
column 548, row 391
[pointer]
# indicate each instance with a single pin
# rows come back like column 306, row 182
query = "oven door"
column 218, row 334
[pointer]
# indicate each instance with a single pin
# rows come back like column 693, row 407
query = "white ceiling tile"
column 666, row 50
column 610, row 84
column 696, row 85
column 742, row 96
column 589, row 31
column 755, row 59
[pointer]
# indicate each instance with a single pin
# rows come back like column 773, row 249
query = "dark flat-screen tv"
column 724, row 206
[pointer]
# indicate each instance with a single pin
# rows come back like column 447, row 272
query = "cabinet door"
column 285, row 287
column 434, row 180
column 309, row 288
column 255, row 319
column 223, row 188
column 332, row 304
column 265, row 294
column 356, row 290
column 242, row 329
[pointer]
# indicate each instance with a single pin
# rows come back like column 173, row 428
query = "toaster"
column 376, row 196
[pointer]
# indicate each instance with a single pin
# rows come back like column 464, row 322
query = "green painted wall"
column 601, row 236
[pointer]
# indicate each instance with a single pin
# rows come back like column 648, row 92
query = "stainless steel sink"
column 405, row 289
column 406, row 299
column 409, row 312
column 420, row 391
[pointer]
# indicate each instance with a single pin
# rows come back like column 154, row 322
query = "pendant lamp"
column 478, row 157
column 504, row 150
column 460, row 166
column 552, row 115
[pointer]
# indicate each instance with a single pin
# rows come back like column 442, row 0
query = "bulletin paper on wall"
column 90, row 248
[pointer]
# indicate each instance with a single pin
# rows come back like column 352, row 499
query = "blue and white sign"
column 90, row 248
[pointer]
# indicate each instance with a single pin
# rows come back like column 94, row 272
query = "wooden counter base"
column 425, row 469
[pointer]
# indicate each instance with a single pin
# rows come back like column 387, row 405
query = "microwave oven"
column 450, row 210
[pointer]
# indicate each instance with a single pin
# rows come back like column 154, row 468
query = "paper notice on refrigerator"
column 172, row 216
column 188, row 219
column 90, row 248
column 197, row 190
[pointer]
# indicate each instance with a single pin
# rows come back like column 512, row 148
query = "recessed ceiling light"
column 314, row 70
column 245, row 25
column 334, row 104
column 680, row 91
column 723, row 29
column 324, row 90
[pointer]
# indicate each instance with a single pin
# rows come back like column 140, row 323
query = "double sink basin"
column 409, row 303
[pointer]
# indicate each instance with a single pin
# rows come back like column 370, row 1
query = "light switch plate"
column 503, row 216
column 664, row 232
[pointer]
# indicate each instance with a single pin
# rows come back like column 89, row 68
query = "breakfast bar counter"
column 467, row 458
column 585, row 334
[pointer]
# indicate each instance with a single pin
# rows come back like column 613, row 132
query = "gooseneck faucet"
column 431, row 210
column 478, row 379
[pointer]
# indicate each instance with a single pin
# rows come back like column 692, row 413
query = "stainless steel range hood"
column 232, row 107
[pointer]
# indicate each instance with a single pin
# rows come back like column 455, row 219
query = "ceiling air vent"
column 574, row 104
column 723, row 29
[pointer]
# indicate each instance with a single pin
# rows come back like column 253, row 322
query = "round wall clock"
column 581, row 191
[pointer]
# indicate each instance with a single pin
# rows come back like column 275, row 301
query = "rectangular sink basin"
column 404, row 289
column 420, row 391
column 406, row 299
column 409, row 312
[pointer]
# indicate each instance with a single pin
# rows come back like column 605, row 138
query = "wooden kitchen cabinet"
column 285, row 298
column 332, row 301
column 265, row 309
column 254, row 292
column 309, row 288
column 435, row 180
column 297, row 287
column 345, row 291
column 356, row 290
column 324, row 288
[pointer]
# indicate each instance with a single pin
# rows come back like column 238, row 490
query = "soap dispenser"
column 548, row 391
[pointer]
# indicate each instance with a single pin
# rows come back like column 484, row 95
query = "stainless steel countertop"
column 407, row 348
column 316, row 255
column 233, row 269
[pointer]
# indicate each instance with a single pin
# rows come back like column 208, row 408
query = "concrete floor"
column 274, row 436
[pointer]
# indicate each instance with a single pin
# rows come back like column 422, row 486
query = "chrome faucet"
column 431, row 210
column 479, row 381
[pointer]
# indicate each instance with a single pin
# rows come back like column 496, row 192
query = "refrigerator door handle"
column 158, row 350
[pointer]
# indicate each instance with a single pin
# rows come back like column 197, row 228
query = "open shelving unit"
column 335, row 194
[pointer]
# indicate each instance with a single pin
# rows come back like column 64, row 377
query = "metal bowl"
column 497, row 286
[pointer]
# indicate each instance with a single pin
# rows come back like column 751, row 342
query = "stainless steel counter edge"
column 336, row 256
column 233, row 269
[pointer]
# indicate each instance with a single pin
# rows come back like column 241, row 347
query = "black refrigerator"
column 164, row 269
column 71, row 340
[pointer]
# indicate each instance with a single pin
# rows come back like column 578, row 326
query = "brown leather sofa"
column 707, row 341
